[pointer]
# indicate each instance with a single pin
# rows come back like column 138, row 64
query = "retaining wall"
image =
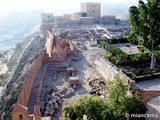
column 109, row 70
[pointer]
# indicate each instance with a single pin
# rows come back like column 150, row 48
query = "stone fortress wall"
column 20, row 109
column 23, row 100
column 90, row 13
column 63, row 50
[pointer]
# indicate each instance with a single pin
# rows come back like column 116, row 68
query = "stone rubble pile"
column 68, row 91
column 98, row 86
column 51, row 103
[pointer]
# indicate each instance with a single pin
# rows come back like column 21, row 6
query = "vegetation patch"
column 114, row 107
column 136, row 65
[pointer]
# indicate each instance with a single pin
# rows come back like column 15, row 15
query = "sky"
column 47, row 5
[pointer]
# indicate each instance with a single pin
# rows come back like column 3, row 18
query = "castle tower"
column 92, row 9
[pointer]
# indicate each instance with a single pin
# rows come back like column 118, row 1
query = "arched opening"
column 20, row 117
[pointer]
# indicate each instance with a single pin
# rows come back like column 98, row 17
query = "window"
column 20, row 117
column 84, row 15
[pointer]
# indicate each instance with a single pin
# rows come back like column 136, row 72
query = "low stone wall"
column 109, row 70
column 145, row 94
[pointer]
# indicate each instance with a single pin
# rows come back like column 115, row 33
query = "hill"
column 16, row 26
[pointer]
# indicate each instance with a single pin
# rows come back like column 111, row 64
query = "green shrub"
column 118, row 57
column 131, row 104
column 115, row 55
column 146, row 77
column 91, row 106
column 113, row 108
column 114, row 50
column 100, row 40
column 118, row 40
column 10, row 64
column 4, row 78
column 103, row 44
column 136, row 61
column 158, row 55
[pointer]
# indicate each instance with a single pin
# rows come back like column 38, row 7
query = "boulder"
column 53, row 101
column 50, row 113
column 47, row 105
column 46, row 112
column 53, row 95
column 50, row 102
column 56, row 105
column 47, row 109
column 48, row 96
column 57, row 98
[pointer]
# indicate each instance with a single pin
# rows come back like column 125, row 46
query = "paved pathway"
column 153, row 84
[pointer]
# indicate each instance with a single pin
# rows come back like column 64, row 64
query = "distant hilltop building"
column 91, row 10
column 90, row 13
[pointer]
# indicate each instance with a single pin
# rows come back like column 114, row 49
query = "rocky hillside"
column 23, row 57
column 16, row 26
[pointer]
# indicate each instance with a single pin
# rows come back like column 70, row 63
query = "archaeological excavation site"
column 64, row 71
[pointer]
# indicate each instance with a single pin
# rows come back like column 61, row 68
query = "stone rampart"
column 20, row 109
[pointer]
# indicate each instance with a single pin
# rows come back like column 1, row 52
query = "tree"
column 133, row 105
column 145, row 20
column 70, row 113
column 119, row 102
column 88, row 105
column 117, row 89
column 112, row 108
column 93, row 108
column 107, row 112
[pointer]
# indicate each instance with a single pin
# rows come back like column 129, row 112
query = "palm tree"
column 70, row 113
column 79, row 109
column 107, row 112
column 133, row 105
column 93, row 109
